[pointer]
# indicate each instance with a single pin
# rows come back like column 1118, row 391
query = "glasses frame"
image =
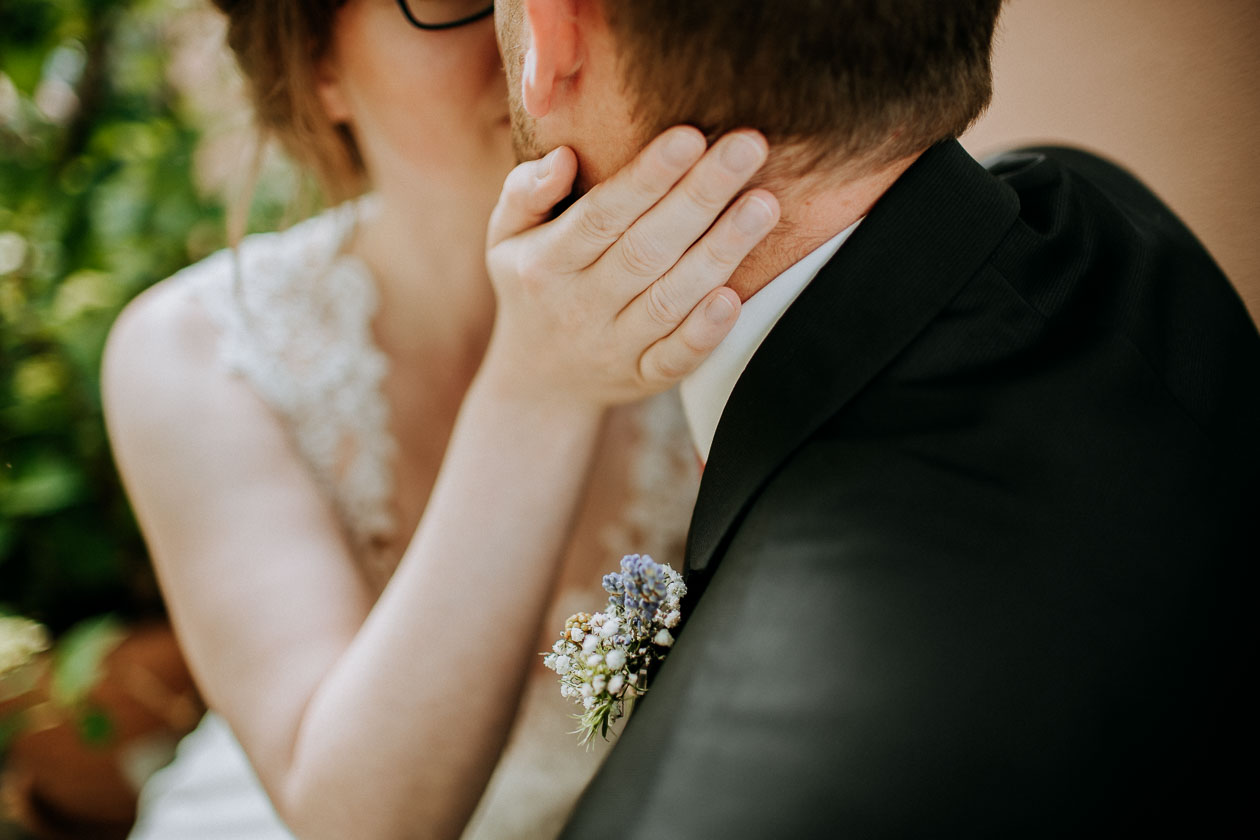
column 431, row 27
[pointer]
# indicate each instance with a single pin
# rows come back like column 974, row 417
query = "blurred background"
column 122, row 134
column 123, row 142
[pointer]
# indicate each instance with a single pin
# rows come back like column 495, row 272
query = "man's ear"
column 551, row 54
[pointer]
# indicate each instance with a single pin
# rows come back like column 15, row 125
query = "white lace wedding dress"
column 295, row 316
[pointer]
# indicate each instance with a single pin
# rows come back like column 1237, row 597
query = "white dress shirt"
column 705, row 392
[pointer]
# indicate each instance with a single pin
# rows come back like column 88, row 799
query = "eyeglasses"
column 444, row 14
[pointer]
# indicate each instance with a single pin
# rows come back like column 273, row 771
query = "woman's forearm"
column 401, row 736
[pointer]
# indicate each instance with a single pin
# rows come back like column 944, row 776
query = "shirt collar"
column 705, row 392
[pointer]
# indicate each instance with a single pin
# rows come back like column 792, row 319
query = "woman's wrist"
column 508, row 392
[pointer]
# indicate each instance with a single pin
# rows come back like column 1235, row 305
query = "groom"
column 974, row 541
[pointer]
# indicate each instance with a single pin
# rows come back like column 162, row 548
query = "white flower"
column 560, row 665
column 586, row 690
column 610, row 628
column 594, row 659
column 615, row 684
column 615, row 658
column 20, row 640
column 588, row 703
column 590, row 643
column 663, row 638
column 672, row 619
column 576, row 634
column 598, row 684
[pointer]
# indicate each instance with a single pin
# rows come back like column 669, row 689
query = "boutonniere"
column 603, row 659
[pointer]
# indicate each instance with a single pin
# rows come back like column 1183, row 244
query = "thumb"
column 529, row 193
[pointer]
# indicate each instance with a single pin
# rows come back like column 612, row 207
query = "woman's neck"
column 427, row 254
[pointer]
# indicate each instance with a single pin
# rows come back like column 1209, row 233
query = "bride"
column 374, row 477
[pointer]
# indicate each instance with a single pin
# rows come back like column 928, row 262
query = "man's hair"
column 870, row 80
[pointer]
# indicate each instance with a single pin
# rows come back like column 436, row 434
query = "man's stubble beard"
column 511, row 23
column 525, row 141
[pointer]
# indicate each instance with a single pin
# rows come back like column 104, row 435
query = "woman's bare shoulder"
column 172, row 406
column 162, row 344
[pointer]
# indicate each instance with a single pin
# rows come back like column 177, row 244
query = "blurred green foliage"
column 97, row 202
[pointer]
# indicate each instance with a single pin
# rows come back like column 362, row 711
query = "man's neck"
column 813, row 210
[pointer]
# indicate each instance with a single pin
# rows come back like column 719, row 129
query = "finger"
column 708, row 264
column 657, row 240
column 679, row 353
column 597, row 219
column 529, row 193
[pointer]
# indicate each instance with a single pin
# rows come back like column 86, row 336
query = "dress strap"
column 295, row 313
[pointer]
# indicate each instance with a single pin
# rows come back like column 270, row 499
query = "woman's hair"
column 278, row 45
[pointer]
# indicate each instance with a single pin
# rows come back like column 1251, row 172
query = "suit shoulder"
column 1102, row 257
column 1060, row 187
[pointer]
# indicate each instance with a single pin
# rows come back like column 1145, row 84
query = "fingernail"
column 753, row 215
column 741, row 154
column 544, row 165
column 684, row 148
column 719, row 310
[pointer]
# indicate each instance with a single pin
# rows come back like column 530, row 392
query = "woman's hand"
column 622, row 295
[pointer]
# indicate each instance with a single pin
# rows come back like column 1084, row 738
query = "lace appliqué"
column 296, row 319
column 663, row 482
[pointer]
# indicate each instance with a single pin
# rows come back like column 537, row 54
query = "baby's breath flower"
column 663, row 638
column 615, row 658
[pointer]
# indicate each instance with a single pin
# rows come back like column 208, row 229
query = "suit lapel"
column 921, row 242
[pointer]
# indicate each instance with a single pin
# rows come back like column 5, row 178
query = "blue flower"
column 613, row 584
column 645, row 588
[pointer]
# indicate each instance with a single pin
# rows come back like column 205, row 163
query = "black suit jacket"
column 973, row 550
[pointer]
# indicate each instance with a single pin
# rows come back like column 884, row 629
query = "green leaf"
column 96, row 728
column 47, row 484
column 79, row 656
column 10, row 726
